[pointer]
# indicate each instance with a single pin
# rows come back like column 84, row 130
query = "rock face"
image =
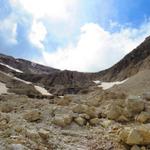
column 139, row 135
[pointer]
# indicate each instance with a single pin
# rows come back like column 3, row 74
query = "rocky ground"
column 99, row 120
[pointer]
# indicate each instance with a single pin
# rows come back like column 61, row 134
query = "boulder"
column 62, row 120
column 143, row 117
column 134, row 105
column 44, row 134
column 94, row 121
column 65, row 101
column 138, row 135
column 80, row 121
column 32, row 115
column 114, row 111
column 146, row 96
column 80, row 108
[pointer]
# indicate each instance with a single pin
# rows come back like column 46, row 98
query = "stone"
column 135, row 105
column 94, row 121
column 106, row 123
column 85, row 116
column 44, row 134
column 134, row 137
column 62, row 120
column 143, row 117
column 146, row 96
column 114, row 111
column 17, row 147
column 80, row 108
column 135, row 147
column 32, row 135
column 32, row 115
column 6, row 108
column 138, row 135
column 65, row 101
column 80, row 121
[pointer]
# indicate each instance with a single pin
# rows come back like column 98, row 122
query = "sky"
column 81, row 35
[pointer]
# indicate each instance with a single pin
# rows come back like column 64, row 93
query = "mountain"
column 137, row 60
column 54, row 80
column 62, row 82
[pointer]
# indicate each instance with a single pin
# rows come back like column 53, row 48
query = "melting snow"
column 108, row 85
column 17, row 70
column 3, row 88
column 97, row 82
column 42, row 90
column 26, row 82
column 38, row 88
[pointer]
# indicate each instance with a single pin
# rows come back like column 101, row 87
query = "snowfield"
column 17, row 70
column 42, row 90
column 108, row 85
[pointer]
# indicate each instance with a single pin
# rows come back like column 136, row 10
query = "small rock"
column 17, row 147
column 62, row 120
column 80, row 121
column 65, row 101
column 94, row 121
column 32, row 115
column 43, row 134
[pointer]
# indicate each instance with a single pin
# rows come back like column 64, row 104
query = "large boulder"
column 138, row 135
column 85, row 109
column 134, row 104
column 114, row 111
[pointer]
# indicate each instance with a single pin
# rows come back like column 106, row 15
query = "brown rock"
column 80, row 121
column 32, row 115
column 62, row 120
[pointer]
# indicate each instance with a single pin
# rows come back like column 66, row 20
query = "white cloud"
column 96, row 48
column 54, row 9
column 8, row 30
column 37, row 34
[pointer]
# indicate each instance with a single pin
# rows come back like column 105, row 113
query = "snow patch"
column 97, row 81
column 108, row 85
column 17, row 70
column 42, row 90
column 3, row 88
column 26, row 82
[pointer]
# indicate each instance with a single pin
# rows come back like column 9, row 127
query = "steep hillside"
column 135, row 61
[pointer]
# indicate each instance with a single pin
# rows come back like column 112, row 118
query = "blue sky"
column 83, row 35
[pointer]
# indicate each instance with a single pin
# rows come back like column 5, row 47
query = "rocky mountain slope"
column 96, row 117
column 24, row 65
column 135, row 61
